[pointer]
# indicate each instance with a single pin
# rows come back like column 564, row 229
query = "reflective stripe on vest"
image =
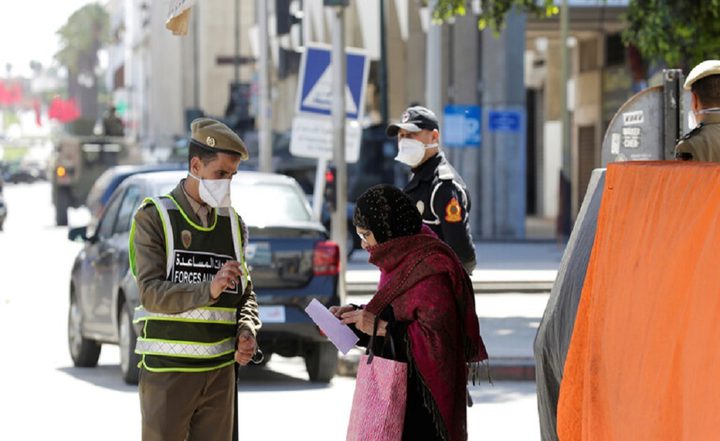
column 184, row 349
column 207, row 314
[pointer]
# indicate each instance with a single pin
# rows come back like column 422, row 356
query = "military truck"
column 77, row 162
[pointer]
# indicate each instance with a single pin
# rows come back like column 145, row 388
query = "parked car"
column 104, row 186
column 3, row 206
column 289, row 255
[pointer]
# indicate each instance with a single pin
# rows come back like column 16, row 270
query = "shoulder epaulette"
column 445, row 172
column 692, row 132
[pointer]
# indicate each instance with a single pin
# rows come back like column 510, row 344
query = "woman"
column 426, row 309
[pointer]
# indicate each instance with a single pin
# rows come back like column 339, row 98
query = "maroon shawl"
column 426, row 285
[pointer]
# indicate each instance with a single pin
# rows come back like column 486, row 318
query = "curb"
column 501, row 369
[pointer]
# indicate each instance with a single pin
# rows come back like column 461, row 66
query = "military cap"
column 215, row 136
column 702, row 70
column 414, row 119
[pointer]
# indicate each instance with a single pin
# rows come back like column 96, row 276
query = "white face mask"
column 214, row 192
column 412, row 151
column 692, row 116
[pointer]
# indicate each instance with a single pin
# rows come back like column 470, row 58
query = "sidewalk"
column 512, row 282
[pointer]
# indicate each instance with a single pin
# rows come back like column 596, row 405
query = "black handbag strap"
column 370, row 352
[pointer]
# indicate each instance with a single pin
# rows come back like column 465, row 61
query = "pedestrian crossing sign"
column 315, row 82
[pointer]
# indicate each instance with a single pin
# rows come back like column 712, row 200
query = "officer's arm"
column 248, row 316
column 448, row 206
column 156, row 293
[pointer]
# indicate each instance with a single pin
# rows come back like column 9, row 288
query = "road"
column 42, row 396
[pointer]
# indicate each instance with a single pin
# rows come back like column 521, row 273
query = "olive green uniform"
column 178, row 405
column 703, row 142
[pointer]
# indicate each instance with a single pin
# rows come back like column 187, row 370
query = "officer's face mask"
column 214, row 192
column 411, row 151
column 692, row 115
column 692, row 121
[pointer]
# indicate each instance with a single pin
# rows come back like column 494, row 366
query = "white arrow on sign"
column 320, row 96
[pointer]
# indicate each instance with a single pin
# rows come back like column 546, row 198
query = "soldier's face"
column 224, row 166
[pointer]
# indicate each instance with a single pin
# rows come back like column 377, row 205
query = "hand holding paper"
column 341, row 335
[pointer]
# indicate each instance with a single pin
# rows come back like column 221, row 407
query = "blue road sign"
column 505, row 121
column 315, row 85
column 461, row 126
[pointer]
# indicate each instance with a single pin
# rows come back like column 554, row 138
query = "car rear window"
column 262, row 204
column 270, row 203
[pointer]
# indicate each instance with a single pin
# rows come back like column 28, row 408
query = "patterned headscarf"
column 387, row 212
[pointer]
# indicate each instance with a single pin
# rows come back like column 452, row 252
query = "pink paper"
column 340, row 334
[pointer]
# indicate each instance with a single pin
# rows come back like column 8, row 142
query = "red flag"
column 3, row 94
column 36, row 108
column 15, row 94
column 64, row 111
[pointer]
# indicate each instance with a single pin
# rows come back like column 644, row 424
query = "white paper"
column 340, row 334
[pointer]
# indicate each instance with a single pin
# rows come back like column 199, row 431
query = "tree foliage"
column 85, row 32
column 682, row 33
column 493, row 12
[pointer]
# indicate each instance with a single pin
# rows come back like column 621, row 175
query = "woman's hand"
column 363, row 321
column 338, row 311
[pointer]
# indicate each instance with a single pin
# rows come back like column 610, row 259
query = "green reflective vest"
column 200, row 339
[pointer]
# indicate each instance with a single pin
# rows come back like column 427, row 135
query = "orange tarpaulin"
column 644, row 358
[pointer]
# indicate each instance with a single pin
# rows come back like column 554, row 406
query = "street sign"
column 315, row 82
column 505, row 121
column 312, row 126
column 312, row 138
column 461, row 126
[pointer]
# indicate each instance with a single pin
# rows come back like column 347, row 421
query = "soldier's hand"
column 246, row 347
column 227, row 277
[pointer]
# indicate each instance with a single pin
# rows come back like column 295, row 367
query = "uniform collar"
column 189, row 205
column 425, row 171
column 711, row 118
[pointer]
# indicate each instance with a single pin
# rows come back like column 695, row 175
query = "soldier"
column 702, row 143
column 438, row 190
column 112, row 125
column 198, row 308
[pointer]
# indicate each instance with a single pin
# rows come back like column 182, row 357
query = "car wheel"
column 84, row 352
column 128, row 337
column 62, row 202
column 321, row 362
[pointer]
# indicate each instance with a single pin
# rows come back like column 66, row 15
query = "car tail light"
column 326, row 259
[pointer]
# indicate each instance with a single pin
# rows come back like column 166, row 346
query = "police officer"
column 198, row 308
column 438, row 190
column 703, row 142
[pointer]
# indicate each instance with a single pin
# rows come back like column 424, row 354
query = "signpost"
column 311, row 134
column 461, row 126
column 505, row 121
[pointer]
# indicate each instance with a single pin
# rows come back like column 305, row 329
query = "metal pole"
column 319, row 188
column 433, row 64
column 237, row 41
column 264, row 111
column 383, row 67
column 339, row 217
column 566, row 173
column 196, row 59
